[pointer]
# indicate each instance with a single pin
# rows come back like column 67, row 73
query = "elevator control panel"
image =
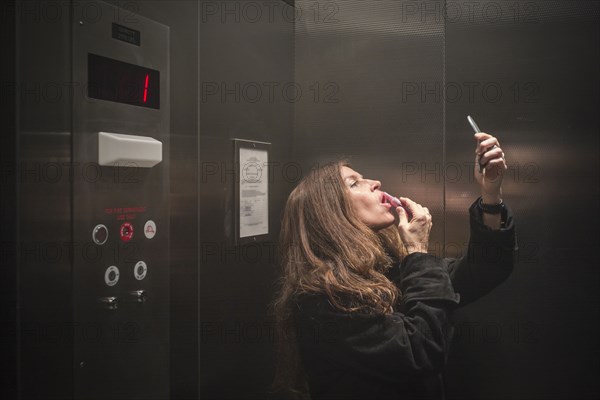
column 121, row 123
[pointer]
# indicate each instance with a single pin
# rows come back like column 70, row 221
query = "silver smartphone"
column 473, row 124
column 477, row 130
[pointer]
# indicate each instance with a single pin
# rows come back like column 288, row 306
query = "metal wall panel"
column 246, row 59
column 43, row 143
column 533, row 70
column 8, row 200
column 404, row 77
column 358, row 64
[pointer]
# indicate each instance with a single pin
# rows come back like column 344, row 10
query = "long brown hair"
column 326, row 249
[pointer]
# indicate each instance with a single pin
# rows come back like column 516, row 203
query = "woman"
column 363, row 311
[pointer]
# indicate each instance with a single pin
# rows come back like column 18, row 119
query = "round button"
column 111, row 275
column 149, row 229
column 140, row 270
column 100, row 234
column 126, row 231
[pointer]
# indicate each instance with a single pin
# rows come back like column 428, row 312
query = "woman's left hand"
column 489, row 155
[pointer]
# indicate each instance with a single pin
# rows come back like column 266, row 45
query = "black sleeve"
column 393, row 346
column 489, row 260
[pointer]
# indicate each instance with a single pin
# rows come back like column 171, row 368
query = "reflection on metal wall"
column 528, row 73
column 389, row 84
column 246, row 64
column 361, row 65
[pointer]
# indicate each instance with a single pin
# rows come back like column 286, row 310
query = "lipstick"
column 392, row 200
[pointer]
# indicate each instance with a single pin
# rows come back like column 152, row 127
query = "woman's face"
column 367, row 200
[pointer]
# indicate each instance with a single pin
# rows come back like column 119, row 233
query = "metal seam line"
column 444, row 131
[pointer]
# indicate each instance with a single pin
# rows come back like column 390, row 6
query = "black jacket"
column 401, row 355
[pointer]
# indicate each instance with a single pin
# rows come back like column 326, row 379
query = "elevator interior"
column 128, row 282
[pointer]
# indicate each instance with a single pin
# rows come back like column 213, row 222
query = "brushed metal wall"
column 43, row 211
column 358, row 62
column 403, row 76
column 246, row 62
column 533, row 69
column 8, row 201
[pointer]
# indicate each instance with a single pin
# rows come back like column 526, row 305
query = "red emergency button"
column 126, row 231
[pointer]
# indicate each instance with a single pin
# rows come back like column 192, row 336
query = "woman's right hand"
column 414, row 233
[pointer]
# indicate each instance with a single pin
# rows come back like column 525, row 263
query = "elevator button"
column 111, row 303
column 149, row 229
column 126, row 231
column 100, row 234
column 111, row 275
column 140, row 270
column 138, row 295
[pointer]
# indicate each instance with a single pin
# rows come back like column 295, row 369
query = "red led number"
column 146, row 88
